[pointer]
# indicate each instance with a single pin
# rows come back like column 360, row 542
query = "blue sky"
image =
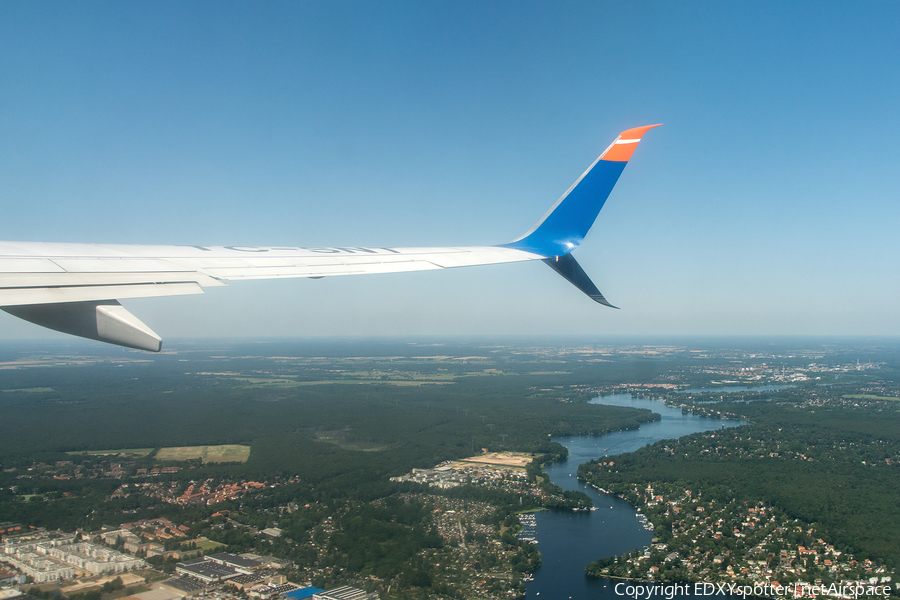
column 766, row 204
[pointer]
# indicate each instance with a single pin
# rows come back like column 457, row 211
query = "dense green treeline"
column 448, row 418
column 380, row 540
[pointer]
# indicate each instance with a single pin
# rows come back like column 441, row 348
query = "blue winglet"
column 564, row 226
column 568, row 267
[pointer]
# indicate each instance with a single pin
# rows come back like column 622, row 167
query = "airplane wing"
column 75, row 288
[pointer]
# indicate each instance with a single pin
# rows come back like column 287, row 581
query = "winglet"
column 569, row 268
column 622, row 149
column 564, row 226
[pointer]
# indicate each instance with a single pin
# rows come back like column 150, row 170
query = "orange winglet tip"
column 622, row 149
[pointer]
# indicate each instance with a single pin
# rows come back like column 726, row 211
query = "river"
column 568, row 541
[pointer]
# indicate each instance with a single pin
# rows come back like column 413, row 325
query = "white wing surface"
column 75, row 288
column 41, row 273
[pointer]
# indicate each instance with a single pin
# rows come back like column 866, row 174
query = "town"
column 734, row 542
column 80, row 562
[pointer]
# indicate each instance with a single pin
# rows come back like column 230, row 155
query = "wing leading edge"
column 75, row 288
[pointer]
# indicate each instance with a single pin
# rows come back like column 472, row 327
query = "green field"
column 205, row 544
column 290, row 383
column 338, row 439
column 134, row 451
column 209, row 454
column 870, row 397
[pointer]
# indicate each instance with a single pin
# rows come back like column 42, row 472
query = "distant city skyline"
column 765, row 204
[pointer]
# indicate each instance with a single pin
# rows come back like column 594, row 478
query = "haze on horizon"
column 765, row 205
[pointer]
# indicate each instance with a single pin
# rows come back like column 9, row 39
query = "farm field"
column 209, row 454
